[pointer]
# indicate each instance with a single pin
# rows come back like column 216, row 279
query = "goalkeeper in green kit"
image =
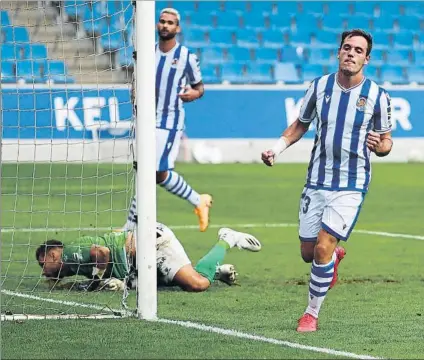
column 108, row 261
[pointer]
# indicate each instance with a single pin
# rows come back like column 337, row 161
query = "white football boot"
column 239, row 239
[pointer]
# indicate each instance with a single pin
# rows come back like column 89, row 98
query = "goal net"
column 66, row 152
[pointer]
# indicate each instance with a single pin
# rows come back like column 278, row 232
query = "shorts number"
column 306, row 202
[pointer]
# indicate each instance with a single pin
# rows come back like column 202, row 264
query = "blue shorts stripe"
column 163, row 163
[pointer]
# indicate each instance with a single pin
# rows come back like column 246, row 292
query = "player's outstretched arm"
column 290, row 136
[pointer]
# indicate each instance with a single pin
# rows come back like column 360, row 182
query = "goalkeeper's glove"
column 113, row 284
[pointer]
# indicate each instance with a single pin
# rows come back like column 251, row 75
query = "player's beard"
column 167, row 37
column 347, row 72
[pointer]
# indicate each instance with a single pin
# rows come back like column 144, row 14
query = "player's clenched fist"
column 268, row 157
column 373, row 140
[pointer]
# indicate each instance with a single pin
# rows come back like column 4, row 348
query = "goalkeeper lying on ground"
column 107, row 260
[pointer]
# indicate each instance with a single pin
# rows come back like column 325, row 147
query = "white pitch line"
column 242, row 335
column 61, row 302
column 186, row 324
column 212, row 226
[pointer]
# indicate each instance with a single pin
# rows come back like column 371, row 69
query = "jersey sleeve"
column 193, row 72
column 382, row 114
column 308, row 109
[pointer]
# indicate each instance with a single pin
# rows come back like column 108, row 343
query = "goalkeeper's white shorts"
column 167, row 148
column 334, row 211
column 170, row 254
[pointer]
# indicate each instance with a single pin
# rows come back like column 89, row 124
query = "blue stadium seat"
column 381, row 41
column 239, row 54
column 129, row 12
column 324, row 40
column 236, row 6
column 29, row 71
column 321, row 56
column 393, row 74
column 334, row 23
column 399, row 57
column 222, row 38
column 405, row 40
column 36, row 52
column 210, row 75
column 307, row 21
column 183, row 7
column 416, row 74
column 255, row 21
column 280, row 22
column 267, row 55
column 228, row 20
column 382, row 24
column 212, row 55
column 365, row 9
column 112, row 40
column 95, row 26
column 208, row 6
column 125, row 56
column 372, row 73
column 359, row 22
column 388, row 8
column 287, row 73
column 378, row 57
column 407, row 23
column 234, row 73
column 292, row 54
column 343, row 8
column 8, row 52
column 56, row 72
column 274, row 39
column 261, row 73
column 7, row 72
column 194, row 38
column 419, row 58
column 311, row 71
column 16, row 34
column 199, row 20
column 247, row 38
column 266, row 7
column 313, row 7
column 300, row 38
column 4, row 18
column 75, row 8
column 412, row 8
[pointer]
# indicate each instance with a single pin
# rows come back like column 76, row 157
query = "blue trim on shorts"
column 332, row 232
column 338, row 188
column 163, row 163
column 301, row 238
column 357, row 215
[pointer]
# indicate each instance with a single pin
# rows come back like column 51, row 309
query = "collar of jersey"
column 168, row 52
column 353, row 87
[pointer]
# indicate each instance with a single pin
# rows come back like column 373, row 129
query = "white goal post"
column 68, row 146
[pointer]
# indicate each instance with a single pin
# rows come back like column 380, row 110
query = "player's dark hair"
column 357, row 32
column 44, row 248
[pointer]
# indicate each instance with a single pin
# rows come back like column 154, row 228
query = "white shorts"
column 170, row 254
column 167, row 148
column 334, row 211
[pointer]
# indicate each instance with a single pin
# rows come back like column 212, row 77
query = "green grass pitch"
column 376, row 308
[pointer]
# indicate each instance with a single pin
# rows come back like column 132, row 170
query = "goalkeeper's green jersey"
column 76, row 255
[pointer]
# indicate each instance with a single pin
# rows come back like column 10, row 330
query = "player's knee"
column 323, row 252
column 198, row 285
column 161, row 176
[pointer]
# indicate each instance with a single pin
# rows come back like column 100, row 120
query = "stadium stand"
column 237, row 42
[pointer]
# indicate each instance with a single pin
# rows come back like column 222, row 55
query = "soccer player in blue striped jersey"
column 178, row 80
column 352, row 118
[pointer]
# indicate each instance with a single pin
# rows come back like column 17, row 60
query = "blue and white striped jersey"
column 174, row 70
column 340, row 159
